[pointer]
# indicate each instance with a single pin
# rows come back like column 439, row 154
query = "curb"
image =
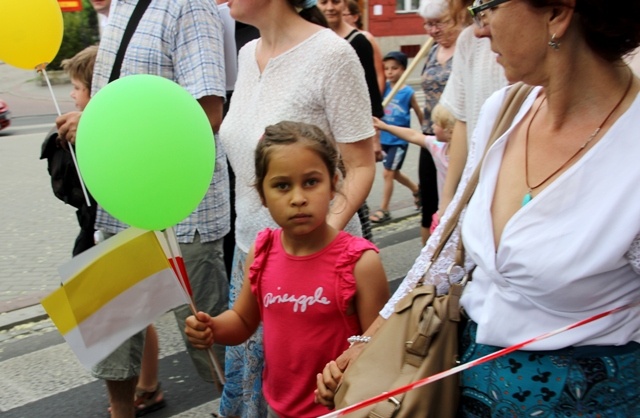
column 398, row 218
column 12, row 319
column 399, row 215
column 36, row 312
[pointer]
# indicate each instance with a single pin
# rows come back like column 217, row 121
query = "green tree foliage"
column 80, row 31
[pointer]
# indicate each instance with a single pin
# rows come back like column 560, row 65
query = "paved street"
column 39, row 375
column 38, row 230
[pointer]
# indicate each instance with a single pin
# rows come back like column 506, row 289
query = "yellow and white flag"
column 112, row 291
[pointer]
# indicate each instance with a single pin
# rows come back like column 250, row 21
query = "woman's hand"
column 198, row 330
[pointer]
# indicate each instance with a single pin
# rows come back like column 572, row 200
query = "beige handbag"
column 420, row 338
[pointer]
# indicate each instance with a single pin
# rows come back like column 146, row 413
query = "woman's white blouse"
column 319, row 81
column 569, row 254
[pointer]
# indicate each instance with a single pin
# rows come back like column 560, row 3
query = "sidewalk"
column 31, row 311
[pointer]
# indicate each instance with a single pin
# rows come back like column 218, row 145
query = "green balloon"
column 146, row 151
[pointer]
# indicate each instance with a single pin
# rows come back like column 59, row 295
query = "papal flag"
column 112, row 291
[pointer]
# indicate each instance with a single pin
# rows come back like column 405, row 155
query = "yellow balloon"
column 30, row 32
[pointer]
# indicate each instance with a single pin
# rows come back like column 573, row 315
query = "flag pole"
column 176, row 255
column 403, row 78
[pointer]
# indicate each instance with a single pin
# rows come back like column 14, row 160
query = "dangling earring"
column 553, row 43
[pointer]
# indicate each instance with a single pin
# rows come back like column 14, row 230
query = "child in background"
column 311, row 285
column 64, row 177
column 397, row 113
column 80, row 70
column 437, row 144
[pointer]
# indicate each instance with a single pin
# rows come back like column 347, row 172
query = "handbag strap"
column 139, row 10
column 430, row 323
column 512, row 103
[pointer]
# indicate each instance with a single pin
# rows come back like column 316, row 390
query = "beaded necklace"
column 527, row 197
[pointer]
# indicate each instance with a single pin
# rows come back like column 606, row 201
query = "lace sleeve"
column 633, row 255
column 438, row 274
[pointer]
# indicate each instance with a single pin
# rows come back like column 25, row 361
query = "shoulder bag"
column 420, row 338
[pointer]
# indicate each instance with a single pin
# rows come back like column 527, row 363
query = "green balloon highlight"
column 146, row 151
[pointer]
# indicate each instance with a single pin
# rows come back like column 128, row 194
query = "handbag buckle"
column 396, row 406
column 450, row 272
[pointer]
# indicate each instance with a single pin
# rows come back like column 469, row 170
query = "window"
column 407, row 5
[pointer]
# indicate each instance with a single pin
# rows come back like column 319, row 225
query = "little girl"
column 437, row 144
column 312, row 286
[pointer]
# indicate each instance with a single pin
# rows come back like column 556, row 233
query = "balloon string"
column 42, row 69
column 473, row 363
column 53, row 96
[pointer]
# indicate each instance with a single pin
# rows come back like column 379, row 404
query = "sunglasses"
column 477, row 10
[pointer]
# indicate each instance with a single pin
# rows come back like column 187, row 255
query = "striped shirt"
column 181, row 40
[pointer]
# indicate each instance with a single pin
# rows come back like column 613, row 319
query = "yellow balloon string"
column 42, row 69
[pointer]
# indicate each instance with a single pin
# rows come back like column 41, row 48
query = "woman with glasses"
column 444, row 31
column 553, row 229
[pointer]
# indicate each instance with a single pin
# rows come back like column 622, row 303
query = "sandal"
column 417, row 200
column 147, row 402
column 380, row 216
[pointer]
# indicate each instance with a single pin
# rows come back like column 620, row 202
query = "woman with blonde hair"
column 475, row 75
column 435, row 74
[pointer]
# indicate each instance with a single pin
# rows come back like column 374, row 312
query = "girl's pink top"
column 303, row 303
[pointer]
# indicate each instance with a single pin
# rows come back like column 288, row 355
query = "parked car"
column 5, row 120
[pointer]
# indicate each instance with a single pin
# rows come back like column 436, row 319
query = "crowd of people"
column 551, row 235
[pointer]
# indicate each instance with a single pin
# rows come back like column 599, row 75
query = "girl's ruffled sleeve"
column 345, row 265
column 260, row 252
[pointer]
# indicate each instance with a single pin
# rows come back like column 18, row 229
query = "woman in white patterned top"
column 299, row 71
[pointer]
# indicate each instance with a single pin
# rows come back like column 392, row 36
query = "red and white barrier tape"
column 465, row 366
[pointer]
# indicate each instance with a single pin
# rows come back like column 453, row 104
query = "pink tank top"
column 303, row 303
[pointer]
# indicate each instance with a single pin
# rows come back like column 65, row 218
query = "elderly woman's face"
column 442, row 30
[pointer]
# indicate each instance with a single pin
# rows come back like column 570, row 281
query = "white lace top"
column 572, row 252
column 319, row 81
